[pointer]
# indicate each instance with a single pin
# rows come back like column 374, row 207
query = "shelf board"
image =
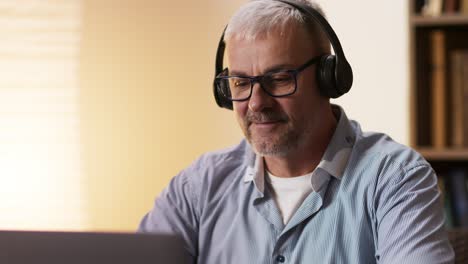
column 442, row 20
column 444, row 154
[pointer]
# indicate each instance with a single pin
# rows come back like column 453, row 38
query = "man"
column 307, row 185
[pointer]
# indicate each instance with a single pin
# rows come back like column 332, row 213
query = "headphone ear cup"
column 221, row 94
column 326, row 76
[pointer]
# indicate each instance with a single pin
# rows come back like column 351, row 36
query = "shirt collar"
column 333, row 162
column 337, row 153
column 256, row 173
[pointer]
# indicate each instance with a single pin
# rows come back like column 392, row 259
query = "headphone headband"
column 317, row 17
column 334, row 74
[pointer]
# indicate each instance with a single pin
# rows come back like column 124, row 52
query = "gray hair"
column 257, row 18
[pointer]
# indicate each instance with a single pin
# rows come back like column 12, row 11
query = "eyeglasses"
column 278, row 83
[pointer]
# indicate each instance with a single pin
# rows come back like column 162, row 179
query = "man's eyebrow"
column 236, row 73
column 278, row 67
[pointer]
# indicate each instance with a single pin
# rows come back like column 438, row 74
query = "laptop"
column 36, row 247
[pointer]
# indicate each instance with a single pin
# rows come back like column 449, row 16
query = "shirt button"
column 280, row 258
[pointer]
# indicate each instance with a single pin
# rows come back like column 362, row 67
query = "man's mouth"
column 264, row 121
column 265, row 125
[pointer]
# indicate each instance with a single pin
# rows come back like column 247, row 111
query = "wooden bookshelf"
column 439, row 102
column 444, row 155
column 418, row 20
column 424, row 97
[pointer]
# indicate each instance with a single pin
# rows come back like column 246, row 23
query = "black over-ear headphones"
column 334, row 74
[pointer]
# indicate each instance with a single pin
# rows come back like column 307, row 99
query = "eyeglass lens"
column 275, row 84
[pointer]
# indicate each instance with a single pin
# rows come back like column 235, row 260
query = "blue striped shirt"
column 374, row 201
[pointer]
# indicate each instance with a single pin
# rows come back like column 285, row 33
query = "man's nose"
column 259, row 99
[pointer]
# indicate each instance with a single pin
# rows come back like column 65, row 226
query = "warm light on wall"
column 40, row 168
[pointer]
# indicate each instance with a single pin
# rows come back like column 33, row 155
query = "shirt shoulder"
column 213, row 170
column 213, row 163
column 380, row 164
column 380, row 148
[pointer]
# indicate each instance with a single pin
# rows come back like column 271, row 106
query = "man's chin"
column 269, row 148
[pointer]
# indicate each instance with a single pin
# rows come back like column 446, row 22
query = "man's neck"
column 307, row 157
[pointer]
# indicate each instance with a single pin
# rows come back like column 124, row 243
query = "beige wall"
column 146, row 101
column 375, row 38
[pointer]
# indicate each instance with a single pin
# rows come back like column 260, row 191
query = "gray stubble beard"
column 263, row 146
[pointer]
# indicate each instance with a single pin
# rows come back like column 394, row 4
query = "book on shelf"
column 456, row 191
column 464, row 7
column 448, row 212
column 446, row 201
column 440, row 7
column 432, row 8
column 451, row 6
column 438, row 83
column 459, row 86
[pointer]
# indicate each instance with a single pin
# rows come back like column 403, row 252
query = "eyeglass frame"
column 259, row 78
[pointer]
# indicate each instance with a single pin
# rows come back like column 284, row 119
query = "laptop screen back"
column 27, row 247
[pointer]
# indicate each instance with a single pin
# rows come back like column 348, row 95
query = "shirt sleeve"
column 410, row 220
column 175, row 211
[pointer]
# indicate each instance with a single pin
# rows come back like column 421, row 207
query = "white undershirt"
column 289, row 193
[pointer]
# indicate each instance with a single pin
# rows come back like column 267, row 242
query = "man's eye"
column 241, row 83
column 281, row 79
column 278, row 78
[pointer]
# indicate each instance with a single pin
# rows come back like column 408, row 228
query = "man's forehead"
column 240, row 51
column 258, row 60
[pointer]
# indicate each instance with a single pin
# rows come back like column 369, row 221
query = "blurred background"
column 102, row 102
